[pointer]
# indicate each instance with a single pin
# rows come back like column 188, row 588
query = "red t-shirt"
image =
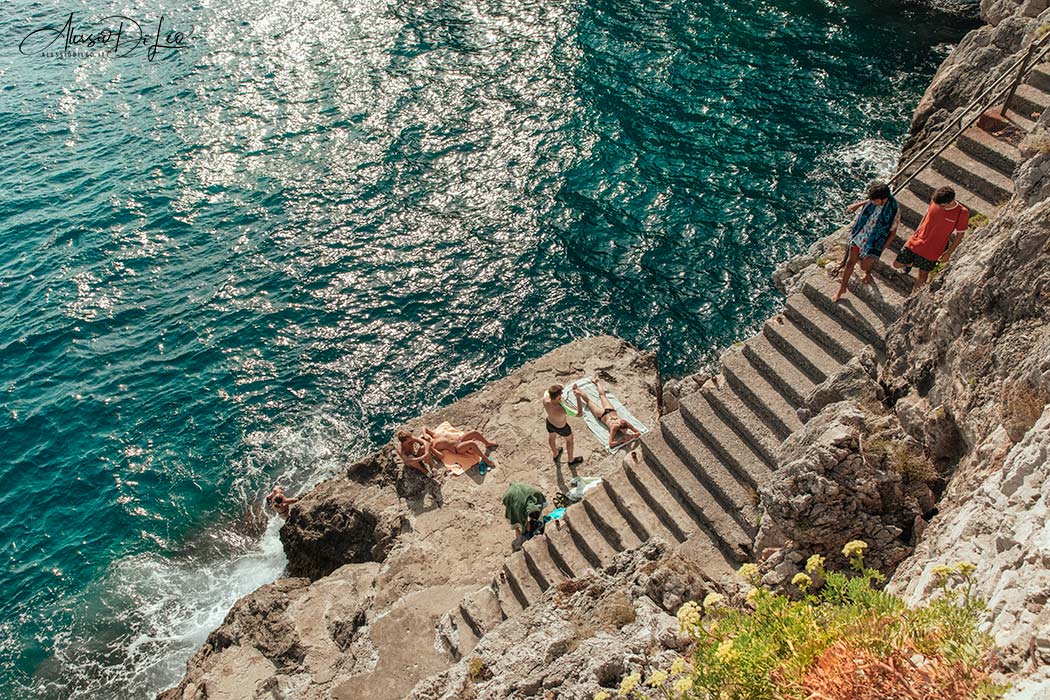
column 931, row 238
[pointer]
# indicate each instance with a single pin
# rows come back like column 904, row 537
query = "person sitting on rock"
column 620, row 431
column 874, row 228
column 415, row 452
column 279, row 502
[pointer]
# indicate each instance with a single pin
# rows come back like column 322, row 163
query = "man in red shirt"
column 929, row 244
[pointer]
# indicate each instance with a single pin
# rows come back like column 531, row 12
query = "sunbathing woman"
column 446, row 438
column 620, row 431
column 414, row 452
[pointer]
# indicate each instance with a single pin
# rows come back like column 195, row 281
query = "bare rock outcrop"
column 344, row 521
column 586, row 634
column 381, row 554
column 850, row 473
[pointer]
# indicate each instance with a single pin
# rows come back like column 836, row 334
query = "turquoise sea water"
column 251, row 258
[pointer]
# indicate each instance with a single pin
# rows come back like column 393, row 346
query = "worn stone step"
column 826, row 330
column 929, row 180
column 462, row 638
column 913, row 208
column 983, row 179
column 805, row 351
column 659, row 499
column 731, row 494
column 510, row 601
column 525, row 587
column 1020, row 121
column 1029, row 101
column 705, row 510
column 481, row 610
column 783, row 374
column 644, row 520
column 744, row 461
column 1039, row 77
column 744, row 422
column 900, row 284
column 608, row 520
column 758, row 394
column 994, row 152
column 852, row 313
column 564, row 551
column 541, row 565
column 589, row 540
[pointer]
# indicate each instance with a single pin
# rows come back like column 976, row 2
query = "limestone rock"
column 1001, row 526
column 583, row 636
column 340, row 522
column 843, row 476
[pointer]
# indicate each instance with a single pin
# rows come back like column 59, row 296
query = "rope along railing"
column 1024, row 64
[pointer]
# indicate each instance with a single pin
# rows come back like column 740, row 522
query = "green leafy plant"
column 843, row 637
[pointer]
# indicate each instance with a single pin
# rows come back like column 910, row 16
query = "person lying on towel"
column 620, row 431
column 446, row 438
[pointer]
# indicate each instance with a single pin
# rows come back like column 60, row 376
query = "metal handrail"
column 1025, row 67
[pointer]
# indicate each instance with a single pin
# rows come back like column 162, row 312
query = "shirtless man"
column 280, row 502
column 620, row 431
column 558, row 422
column 414, row 452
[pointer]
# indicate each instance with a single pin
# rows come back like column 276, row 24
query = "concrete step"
column 564, row 552
column 705, row 510
column 752, row 430
column 588, row 539
column 540, row 563
column 758, row 394
column 739, row 457
column 927, row 181
column 519, row 578
column 510, row 601
column 913, row 208
column 645, row 522
column 803, row 350
column 852, row 313
column 983, row 179
column 898, row 282
column 462, row 638
column 732, row 495
column 826, row 330
column 1039, row 77
column 993, row 152
column 481, row 610
column 1029, row 101
column 659, row 499
column 609, row 521
column 783, row 374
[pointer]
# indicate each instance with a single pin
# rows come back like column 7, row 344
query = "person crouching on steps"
column 929, row 244
column 558, row 423
column 873, row 229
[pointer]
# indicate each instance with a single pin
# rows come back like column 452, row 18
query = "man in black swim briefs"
column 558, row 423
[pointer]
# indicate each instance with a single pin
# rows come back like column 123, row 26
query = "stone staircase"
column 695, row 477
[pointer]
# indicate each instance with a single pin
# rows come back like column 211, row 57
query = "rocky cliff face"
column 585, row 635
column 378, row 556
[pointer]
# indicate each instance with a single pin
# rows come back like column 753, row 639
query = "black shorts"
column 908, row 258
column 564, row 431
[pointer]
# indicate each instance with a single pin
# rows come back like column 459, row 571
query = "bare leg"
column 847, row 272
column 476, row 435
column 866, row 264
column 594, row 408
column 601, row 394
column 568, row 446
column 553, row 440
column 920, row 279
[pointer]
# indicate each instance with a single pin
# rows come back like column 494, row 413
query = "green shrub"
column 849, row 639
